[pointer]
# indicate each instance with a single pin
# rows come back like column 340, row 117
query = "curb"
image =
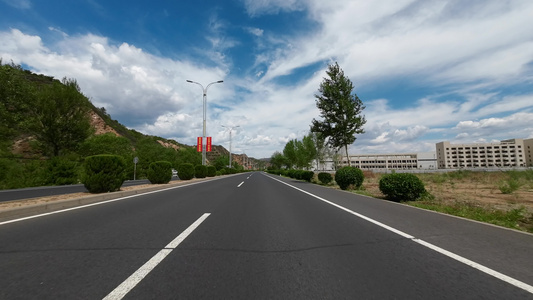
column 41, row 208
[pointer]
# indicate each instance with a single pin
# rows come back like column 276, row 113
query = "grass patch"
column 517, row 218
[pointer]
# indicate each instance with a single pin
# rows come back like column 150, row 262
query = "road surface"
column 259, row 236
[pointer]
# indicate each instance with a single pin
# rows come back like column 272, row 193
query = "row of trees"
column 340, row 110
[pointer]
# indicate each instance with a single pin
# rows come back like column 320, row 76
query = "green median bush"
column 186, row 171
column 160, row 172
column 103, row 173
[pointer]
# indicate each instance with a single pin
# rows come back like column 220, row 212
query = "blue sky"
column 427, row 71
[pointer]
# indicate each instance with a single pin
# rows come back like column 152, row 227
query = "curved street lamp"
column 205, row 104
column 230, row 129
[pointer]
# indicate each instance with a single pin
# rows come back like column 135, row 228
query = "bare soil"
column 481, row 188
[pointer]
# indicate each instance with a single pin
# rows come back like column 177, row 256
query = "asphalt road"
column 44, row 191
column 257, row 236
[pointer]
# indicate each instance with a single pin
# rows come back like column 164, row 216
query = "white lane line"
column 99, row 203
column 458, row 258
column 240, row 184
column 126, row 286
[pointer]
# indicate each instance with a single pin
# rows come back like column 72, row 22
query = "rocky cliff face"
column 100, row 126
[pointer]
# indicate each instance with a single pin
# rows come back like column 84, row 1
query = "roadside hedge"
column 349, row 176
column 211, row 171
column 401, row 187
column 200, row 171
column 325, row 178
column 186, row 171
column 160, row 172
column 103, row 173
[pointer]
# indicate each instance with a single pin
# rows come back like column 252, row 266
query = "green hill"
column 48, row 127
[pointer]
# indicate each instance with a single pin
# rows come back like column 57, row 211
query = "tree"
column 60, row 117
column 221, row 162
column 306, row 152
column 322, row 149
column 277, row 160
column 290, row 153
column 340, row 109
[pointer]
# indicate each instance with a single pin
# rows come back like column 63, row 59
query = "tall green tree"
column 340, row 109
column 60, row 117
column 290, row 153
column 16, row 97
column 221, row 162
column 278, row 160
column 322, row 149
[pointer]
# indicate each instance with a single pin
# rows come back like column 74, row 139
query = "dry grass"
column 474, row 195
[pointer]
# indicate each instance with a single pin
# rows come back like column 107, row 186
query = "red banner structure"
column 208, row 144
column 199, row 144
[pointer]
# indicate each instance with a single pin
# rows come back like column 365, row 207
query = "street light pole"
column 205, row 112
column 230, row 129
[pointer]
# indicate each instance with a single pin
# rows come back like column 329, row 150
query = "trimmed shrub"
column 349, row 176
column 200, row 171
column 325, row 178
column 307, row 175
column 160, row 172
column 186, row 171
column 222, row 171
column 211, row 171
column 401, row 187
column 291, row 173
column 103, row 173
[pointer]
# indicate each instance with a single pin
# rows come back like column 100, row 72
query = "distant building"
column 507, row 153
column 396, row 161
column 528, row 152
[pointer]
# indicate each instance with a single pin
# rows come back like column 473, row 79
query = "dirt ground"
column 481, row 188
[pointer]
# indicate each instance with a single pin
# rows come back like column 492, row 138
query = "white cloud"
column 260, row 7
column 20, row 4
column 255, row 31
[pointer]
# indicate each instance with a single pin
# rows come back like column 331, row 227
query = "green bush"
column 200, row 171
column 325, row 178
column 211, row 171
column 307, row 175
column 349, row 176
column 103, row 173
column 186, row 171
column 230, row 170
column 401, row 187
column 160, row 172
column 291, row 173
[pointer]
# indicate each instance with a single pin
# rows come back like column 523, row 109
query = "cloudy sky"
column 426, row 70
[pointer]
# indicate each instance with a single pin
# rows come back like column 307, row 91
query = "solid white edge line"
column 99, row 203
column 454, row 256
column 125, row 287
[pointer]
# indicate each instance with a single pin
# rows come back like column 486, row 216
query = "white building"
column 507, row 153
column 396, row 161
